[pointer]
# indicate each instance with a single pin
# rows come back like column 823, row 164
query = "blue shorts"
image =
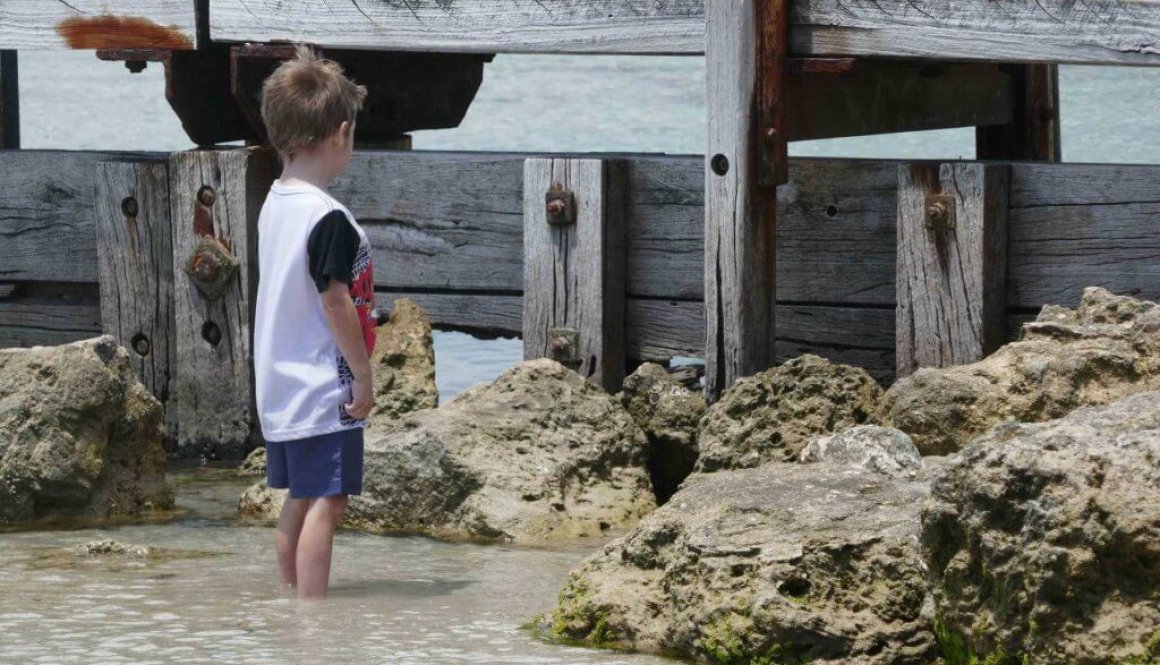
column 324, row 465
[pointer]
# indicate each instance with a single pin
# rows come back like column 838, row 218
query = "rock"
column 882, row 449
column 1043, row 541
column 404, row 364
column 784, row 563
column 772, row 415
column 537, row 456
column 111, row 548
column 254, row 464
column 1106, row 349
column 80, row 436
column 669, row 414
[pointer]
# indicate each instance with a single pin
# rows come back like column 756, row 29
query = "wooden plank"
column 1033, row 132
column 480, row 26
column 213, row 385
column 739, row 215
column 1124, row 32
column 1079, row 225
column 574, row 266
column 952, row 268
column 135, row 254
column 97, row 24
column 482, row 314
column 9, row 101
column 41, row 320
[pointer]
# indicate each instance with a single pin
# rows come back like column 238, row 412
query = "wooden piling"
column 216, row 197
column 574, row 265
column 745, row 56
column 135, row 263
column 1033, row 133
column 952, row 263
column 9, row 101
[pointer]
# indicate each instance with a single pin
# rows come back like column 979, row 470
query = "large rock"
column 773, row 415
column 404, row 364
column 537, row 456
column 80, row 436
column 1043, row 541
column 882, row 449
column 1106, row 349
column 784, row 564
column 669, row 414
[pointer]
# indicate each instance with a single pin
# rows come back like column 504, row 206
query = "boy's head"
column 309, row 107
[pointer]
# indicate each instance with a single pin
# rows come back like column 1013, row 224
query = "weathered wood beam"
column 1033, row 133
column 135, row 255
column 97, row 24
column 9, row 101
column 574, row 254
column 952, row 263
column 215, row 198
column 740, row 213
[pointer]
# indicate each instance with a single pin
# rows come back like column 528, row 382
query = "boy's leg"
column 316, row 543
column 286, row 539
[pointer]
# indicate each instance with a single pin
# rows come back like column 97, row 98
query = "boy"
column 313, row 331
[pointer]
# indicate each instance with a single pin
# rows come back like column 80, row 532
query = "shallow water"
column 394, row 599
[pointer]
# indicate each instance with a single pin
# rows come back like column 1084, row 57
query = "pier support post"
column 216, row 197
column 9, row 101
column 952, row 263
column 135, row 263
column 745, row 55
column 1033, row 133
column 574, row 265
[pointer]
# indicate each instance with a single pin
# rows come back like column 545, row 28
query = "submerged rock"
column 111, row 548
column 785, row 563
column 771, row 416
column 883, row 449
column 537, row 456
column 1106, row 349
column 669, row 414
column 80, row 436
column 404, row 364
column 1043, row 541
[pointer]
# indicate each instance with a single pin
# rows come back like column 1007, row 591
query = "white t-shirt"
column 302, row 380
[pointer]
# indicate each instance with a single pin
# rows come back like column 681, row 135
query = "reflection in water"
column 395, row 599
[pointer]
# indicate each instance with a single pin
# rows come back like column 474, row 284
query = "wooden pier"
column 740, row 256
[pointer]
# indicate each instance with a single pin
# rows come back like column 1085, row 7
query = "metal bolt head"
column 129, row 206
column 141, row 346
column 936, row 211
column 940, row 212
column 560, row 205
column 206, row 196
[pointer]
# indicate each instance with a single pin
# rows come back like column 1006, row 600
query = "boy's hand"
column 363, row 393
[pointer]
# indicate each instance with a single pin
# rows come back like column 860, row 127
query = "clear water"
column 398, row 600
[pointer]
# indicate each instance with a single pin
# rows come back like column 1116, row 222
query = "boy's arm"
column 342, row 317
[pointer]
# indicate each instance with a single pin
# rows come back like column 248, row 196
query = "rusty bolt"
column 135, row 66
column 205, row 266
column 557, row 208
column 560, row 206
column 129, row 206
column 206, row 196
column 940, row 212
column 141, row 346
column 558, row 345
column 935, row 211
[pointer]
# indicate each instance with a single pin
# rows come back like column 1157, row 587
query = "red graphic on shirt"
column 362, row 292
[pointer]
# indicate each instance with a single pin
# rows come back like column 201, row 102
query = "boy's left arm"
column 342, row 316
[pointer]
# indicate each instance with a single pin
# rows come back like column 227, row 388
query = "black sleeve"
column 332, row 248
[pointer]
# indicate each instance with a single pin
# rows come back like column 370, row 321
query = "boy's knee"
column 337, row 505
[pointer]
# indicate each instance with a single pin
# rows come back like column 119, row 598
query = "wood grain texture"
column 574, row 273
column 1061, row 31
column 135, row 256
column 9, row 100
column 951, row 281
column 481, row 26
column 41, row 320
column 739, row 215
column 92, row 24
column 1077, row 225
column 213, row 384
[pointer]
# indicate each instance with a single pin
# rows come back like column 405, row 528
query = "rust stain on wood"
column 109, row 31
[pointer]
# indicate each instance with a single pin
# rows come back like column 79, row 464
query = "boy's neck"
column 303, row 169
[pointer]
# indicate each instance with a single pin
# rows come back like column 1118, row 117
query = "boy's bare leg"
column 286, row 539
column 316, row 543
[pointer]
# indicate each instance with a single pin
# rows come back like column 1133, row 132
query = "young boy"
column 313, row 331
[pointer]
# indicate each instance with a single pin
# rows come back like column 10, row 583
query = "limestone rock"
column 404, row 364
column 785, row 563
column 254, row 464
column 1043, row 540
column 109, row 547
column 883, row 449
column 773, row 415
column 80, row 436
column 537, row 456
column 1106, row 349
column 669, row 414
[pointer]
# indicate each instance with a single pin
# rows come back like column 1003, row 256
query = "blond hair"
column 306, row 100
